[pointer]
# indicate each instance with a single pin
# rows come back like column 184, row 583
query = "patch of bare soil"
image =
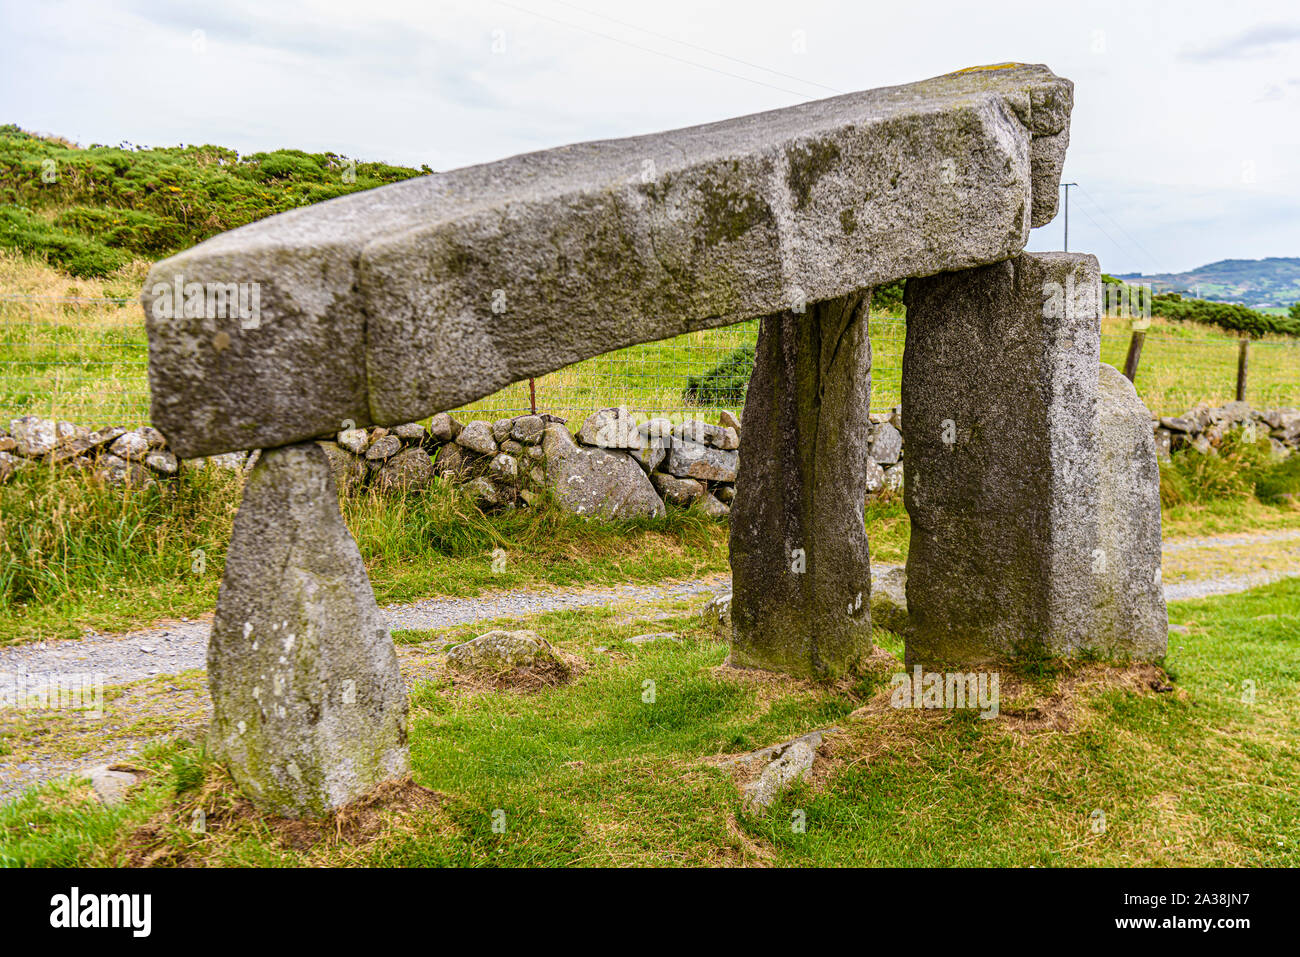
column 172, row 839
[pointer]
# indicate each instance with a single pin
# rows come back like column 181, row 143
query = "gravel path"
column 174, row 647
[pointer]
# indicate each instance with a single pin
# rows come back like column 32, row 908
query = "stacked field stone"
column 1204, row 427
column 112, row 454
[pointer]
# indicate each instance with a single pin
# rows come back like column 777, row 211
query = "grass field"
column 1192, row 764
column 84, row 361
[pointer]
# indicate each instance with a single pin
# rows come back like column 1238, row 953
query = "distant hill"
column 92, row 211
column 1252, row 282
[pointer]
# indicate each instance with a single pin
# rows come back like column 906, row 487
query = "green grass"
column 592, row 773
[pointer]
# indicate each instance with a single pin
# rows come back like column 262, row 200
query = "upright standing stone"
column 1130, row 598
column 1004, row 488
column 309, row 710
column 801, row 577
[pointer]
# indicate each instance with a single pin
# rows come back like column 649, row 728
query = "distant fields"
column 85, row 361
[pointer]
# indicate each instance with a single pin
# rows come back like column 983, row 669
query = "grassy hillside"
column 1275, row 280
column 92, row 211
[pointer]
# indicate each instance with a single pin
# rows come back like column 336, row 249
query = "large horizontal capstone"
column 388, row 305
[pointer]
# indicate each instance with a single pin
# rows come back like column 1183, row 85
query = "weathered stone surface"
column 502, row 651
column 383, row 448
column 676, row 491
column 349, row 471
column 9, row 464
column 889, row 598
column 593, row 481
column 729, row 421
column 506, row 467
column 409, row 431
column 799, row 564
column 718, row 436
column 33, row 435
column 309, row 710
column 454, row 285
column 873, row 479
column 893, row 478
column 354, row 440
column 652, row 638
column 716, row 613
column 781, row 765
column 453, row 459
column 886, row 444
column 501, row 430
column 410, row 469
column 111, row 783
column 444, row 427
column 613, row 428
column 1131, row 619
column 163, row 462
column 1003, row 485
column 653, row 440
column 713, row 507
column 114, row 470
column 1163, row 439
column 477, row 437
column 482, row 491
column 131, row 446
column 528, row 429
column 689, row 459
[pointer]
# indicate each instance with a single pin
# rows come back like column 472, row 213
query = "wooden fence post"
column 1134, row 354
column 1243, row 366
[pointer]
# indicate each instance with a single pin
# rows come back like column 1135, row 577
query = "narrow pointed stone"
column 309, row 709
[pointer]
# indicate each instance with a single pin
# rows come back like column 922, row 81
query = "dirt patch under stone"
column 1026, row 706
column 529, row 679
column 168, row 839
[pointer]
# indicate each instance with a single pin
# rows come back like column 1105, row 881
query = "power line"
column 696, row 46
column 645, row 49
column 1150, row 258
column 1113, row 240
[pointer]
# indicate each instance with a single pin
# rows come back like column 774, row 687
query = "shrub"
column 1189, row 477
column 1281, row 483
column 725, row 383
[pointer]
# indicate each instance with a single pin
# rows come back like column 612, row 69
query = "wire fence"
column 85, row 360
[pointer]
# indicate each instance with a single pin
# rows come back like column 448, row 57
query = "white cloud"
column 1175, row 102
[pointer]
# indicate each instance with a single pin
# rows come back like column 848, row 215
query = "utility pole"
column 1066, row 187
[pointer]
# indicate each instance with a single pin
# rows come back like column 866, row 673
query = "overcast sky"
column 1185, row 136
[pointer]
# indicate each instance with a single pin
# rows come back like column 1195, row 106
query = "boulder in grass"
column 499, row 651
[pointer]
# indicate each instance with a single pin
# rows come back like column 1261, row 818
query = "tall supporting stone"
column 309, row 709
column 801, row 577
column 1130, row 598
column 1011, row 483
